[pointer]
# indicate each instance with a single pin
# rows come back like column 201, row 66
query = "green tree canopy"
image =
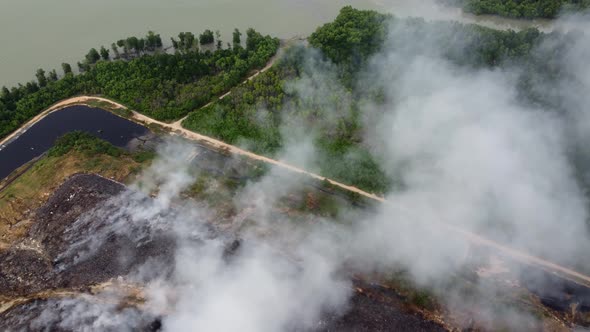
column 104, row 53
column 67, row 69
column 207, row 37
column 41, row 77
column 93, row 56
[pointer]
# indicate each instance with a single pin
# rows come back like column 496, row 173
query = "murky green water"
column 44, row 33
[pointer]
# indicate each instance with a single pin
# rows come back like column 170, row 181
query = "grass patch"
column 84, row 143
column 421, row 297
column 122, row 112
column 73, row 153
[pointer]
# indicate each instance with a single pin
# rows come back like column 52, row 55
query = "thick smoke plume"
column 471, row 152
column 467, row 150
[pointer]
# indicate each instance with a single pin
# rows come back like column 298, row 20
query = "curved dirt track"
column 176, row 128
column 81, row 100
column 270, row 63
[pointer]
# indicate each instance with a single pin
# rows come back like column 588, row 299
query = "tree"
column 53, row 76
column 158, row 41
column 132, row 43
column 175, row 43
column 123, row 44
column 218, row 38
column 104, row 53
column 188, row 41
column 206, row 38
column 41, row 77
column 141, row 45
column 93, row 56
column 66, row 68
column 5, row 93
column 237, row 40
column 352, row 37
column 523, row 8
column 164, row 86
column 115, row 50
column 83, row 66
column 251, row 39
column 31, row 87
column 153, row 41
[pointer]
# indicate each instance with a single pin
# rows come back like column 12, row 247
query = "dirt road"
column 251, row 77
column 82, row 100
column 177, row 129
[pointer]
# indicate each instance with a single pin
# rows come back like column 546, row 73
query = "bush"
column 82, row 142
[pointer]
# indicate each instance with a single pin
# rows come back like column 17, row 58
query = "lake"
column 41, row 136
column 43, row 34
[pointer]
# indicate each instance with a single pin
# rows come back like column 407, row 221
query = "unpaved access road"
column 177, row 129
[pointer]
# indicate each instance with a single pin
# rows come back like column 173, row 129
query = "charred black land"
column 39, row 266
column 35, row 265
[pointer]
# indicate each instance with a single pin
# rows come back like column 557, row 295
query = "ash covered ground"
column 50, row 275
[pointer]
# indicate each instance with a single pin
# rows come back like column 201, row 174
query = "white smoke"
column 471, row 153
column 84, row 314
column 468, row 152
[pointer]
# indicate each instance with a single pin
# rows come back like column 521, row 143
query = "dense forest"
column 143, row 75
column 354, row 36
column 523, row 8
column 256, row 112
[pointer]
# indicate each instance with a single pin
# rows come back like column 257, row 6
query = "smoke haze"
column 467, row 150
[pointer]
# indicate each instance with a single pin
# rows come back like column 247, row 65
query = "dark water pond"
column 40, row 137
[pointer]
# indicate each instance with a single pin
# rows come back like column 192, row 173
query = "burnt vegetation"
column 45, row 263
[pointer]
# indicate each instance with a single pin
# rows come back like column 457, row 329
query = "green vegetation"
column 73, row 153
column 413, row 294
column 238, row 117
column 186, row 42
column 471, row 44
column 523, row 8
column 206, row 38
column 255, row 112
column 352, row 37
column 169, row 86
column 84, row 143
column 122, row 112
column 161, row 85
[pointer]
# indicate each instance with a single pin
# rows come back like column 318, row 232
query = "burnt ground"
column 38, row 264
column 555, row 292
column 376, row 308
column 147, row 142
column 33, row 265
column 372, row 308
column 50, row 315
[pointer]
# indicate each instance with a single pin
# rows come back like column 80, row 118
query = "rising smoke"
column 468, row 151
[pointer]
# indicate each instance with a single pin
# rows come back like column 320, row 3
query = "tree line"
column 141, row 74
column 528, row 9
column 255, row 112
column 168, row 86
